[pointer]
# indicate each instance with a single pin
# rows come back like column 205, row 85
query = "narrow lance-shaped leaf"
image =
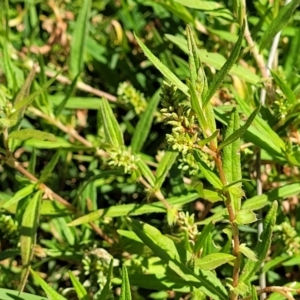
column 278, row 23
column 146, row 172
column 162, row 68
column 112, row 130
column 262, row 247
column 51, row 293
column 48, row 169
column 218, row 79
column 207, row 172
column 214, row 260
column 125, row 290
column 238, row 133
column 28, row 230
column 26, row 134
column 106, row 289
column 194, row 63
column 144, row 124
column 164, row 167
column 232, row 158
column 79, row 288
column 210, row 138
column 79, row 37
column 27, row 100
column 201, row 238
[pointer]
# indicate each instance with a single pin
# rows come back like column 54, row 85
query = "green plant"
column 161, row 178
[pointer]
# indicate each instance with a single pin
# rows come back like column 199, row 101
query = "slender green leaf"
column 209, row 139
column 194, row 62
column 112, row 130
column 125, row 290
column 79, row 288
column 244, row 216
column 67, row 96
column 51, row 293
column 136, row 209
column 28, row 232
column 26, row 134
column 262, row 247
column 19, row 195
column 27, row 100
column 213, row 260
column 239, row 132
column 254, row 293
column 164, row 167
column 207, row 172
column 6, row 294
column 48, row 169
column 247, row 252
column 201, row 5
column 79, row 37
column 106, row 289
column 258, row 202
column 201, row 238
column 146, row 172
column 218, row 79
column 144, row 124
column 283, row 17
column 162, row 68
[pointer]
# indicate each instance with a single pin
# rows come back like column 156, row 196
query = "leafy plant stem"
column 282, row 290
column 234, row 227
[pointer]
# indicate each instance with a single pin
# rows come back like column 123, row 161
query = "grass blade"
column 144, row 124
column 79, row 37
column 162, row 68
column 79, row 288
column 218, row 79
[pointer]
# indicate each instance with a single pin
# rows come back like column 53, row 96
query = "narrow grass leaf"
column 143, row 126
column 48, row 169
column 29, row 99
column 51, row 293
column 164, row 167
column 112, row 130
column 162, row 68
column 26, row 134
column 218, row 79
column 254, row 293
column 19, row 195
column 79, row 37
column 285, row 88
column 6, row 294
column 79, row 288
column 207, row 172
column 214, row 260
column 106, row 289
column 135, row 209
column 125, row 290
column 29, row 225
column 201, row 238
column 283, row 17
column 262, row 247
column 238, row 133
column 69, row 93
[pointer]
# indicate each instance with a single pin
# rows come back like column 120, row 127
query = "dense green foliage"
column 139, row 156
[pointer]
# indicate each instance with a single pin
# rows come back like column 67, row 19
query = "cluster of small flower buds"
column 9, row 229
column 187, row 224
column 127, row 94
column 123, row 158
